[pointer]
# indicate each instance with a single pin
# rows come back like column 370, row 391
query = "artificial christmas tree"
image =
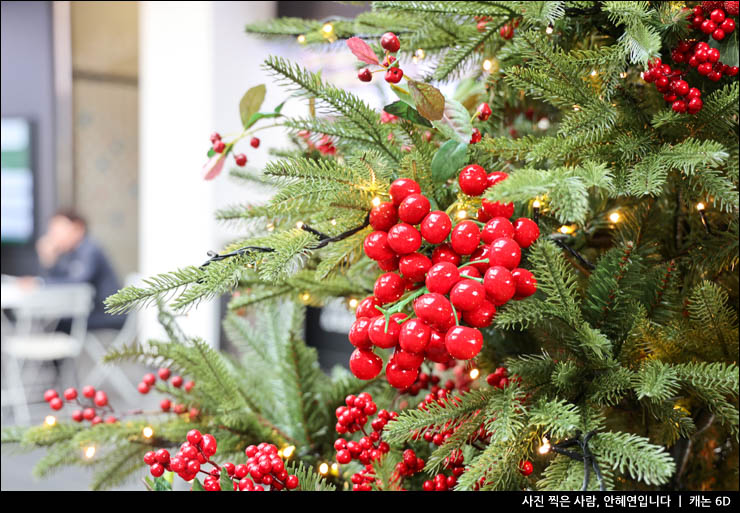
column 557, row 240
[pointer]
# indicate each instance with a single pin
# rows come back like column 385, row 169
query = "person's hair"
column 72, row 215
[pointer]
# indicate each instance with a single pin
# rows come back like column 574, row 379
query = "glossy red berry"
column 164, row 373
column 358, row 335
column 433, row 308
column 499, row 284
column 143, row 388
column 101, row 398
column 194, row 437
column 165, row 404
column 156, row 470
column 189, row 385
column 504, row 252
column 436, row 351
column 444, row 253
column 383, row 216
column 436, row 226
column 414, row 266
column 177, row 381
column 404, row 238
column 463, row 342
column 414, row 208
column 240, row 159
column 414, row 336
column 218, row 146
column 507, row 31
column 496, row 228
column 77, row 416
column 717, row 15
column 476, row 137
column 695, row 105
column 88, row 391
column 727, row 26
column 473, row 180
column 526, row 232
column 441, row 277
column 149, row 379
column 679, row 106
column 388, row 287
column 56, row 403
column 526, row 468
column 385, row 335
column 291, row 483
column 403, row 187
column 407, row 359
column 344, row 456
column 215, row 136
column 708, row 26
column 365, row 364
column 467, row 295
column 208, row 445
column 394, row 75
column 50, row 394
column 366, row 307
column 376, row 246
column 526, row 283
column 389, row 265
column 718, row 34
column 484, row 111
column 389, row 41
column 465, row 238
column 481, row 317
column 254, row 142
column 400, row 378
column 88, row 414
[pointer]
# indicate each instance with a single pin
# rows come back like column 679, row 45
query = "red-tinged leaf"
column 362, row 50
column 428, row 99
column 213, row 167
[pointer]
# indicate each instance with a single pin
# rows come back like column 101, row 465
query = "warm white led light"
column 148, row 432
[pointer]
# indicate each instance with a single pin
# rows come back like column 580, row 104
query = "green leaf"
column 211, row 152
column 728, row 48
column 406, row 111
column 251, row 103
column 428, row 99
column 227, row 485
column 455, row 122
column 161, row 485
column 403, row 94
column 262, row 115
column 450, row 157
column 197, row 487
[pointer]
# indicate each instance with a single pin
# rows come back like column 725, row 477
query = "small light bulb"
column 474, row 373
column 50, row 420
column 487, row 65
column 420, row 53
column 288, row 451
column 148, row 432
column 335, row 468
column 353, row 303
column 89, row 452
column 565, row 229
column 328, row 28
column 549, row 29
column 305, row 297
column 301, row 39
column 623, row 74
column 594, row 73
column 299, row 225
column 333, row 222
column 536, row 204
column 323, row 469
column 545, row 447
column 270, row 227
column 614, row 217
column 576, row 108
column 700, row 206
column 461, row 214
column 376, row 201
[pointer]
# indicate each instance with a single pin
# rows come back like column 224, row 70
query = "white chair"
column 30, row 340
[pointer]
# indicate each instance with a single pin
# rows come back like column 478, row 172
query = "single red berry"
column 388, row 287
column 708, row 26
column 383, row 216
column 414, row 336
column 358, row 335
column 407, row 360
column 177, row 381
column 156, row 470
column 376, row 246
column 717, row 16
column 526, row 283
column 484, row 111
column 731, row 71
column 679, row 106
column 476, row 137
column 101, row 398
column 481, row 317
column 218, row 146
column 215, row 136
column 194, row 437
column 56, row 403
column 88, row 414
column 50, row 394
column 344, row 456
column 504, row 252
column 189, row 385
column 444, row 253
column 499, row 284
column 526, row 232
column 467, row 295
column 526, row 468
column 240, row 159
column 496, row 228
column 364, row 75
column 465, row 238
column 695, row 105
column 400, row 378
column 394, row 75
column 441, row 277
column 718, row 34
column 164, row 373
column 149, row 379
column 507, row 31
column 389, row 265
column 382, row 336
column 403, row 187
column 436, row 227
column 291, row 483
column 208, row 445
column 254, row 142
column 88, row 391
column 366, row 307
column 389, row 41
column 404, row 238
column 728, row 26
column 473, row 180
column 414, row 266
column 463, row 342
column 413, row 209
column 433, row 308
column 70, row 394
column 165, row 404
column 77, row 416
column 143, row 388
column 150, row 458
column 365, row 364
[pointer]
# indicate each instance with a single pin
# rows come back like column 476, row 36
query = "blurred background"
column 107, row 108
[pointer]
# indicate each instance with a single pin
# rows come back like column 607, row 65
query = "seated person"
column 68, row 254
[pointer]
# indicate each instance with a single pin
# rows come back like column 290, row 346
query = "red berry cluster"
column 219, row 146
column 148, row 381
column 92, row 410
column 352, row 418
column 440, row 483
column 706, row 60
column 410, row 465
column 499, row 378
column 193, row 453
column 711, row 18
column 676, row 91
column 445, row 290
column 265, row 467
column 325, row 145
column 393, row 73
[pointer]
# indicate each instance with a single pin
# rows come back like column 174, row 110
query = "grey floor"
column 17, row 466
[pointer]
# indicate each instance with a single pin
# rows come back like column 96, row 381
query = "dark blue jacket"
column 88, row 264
